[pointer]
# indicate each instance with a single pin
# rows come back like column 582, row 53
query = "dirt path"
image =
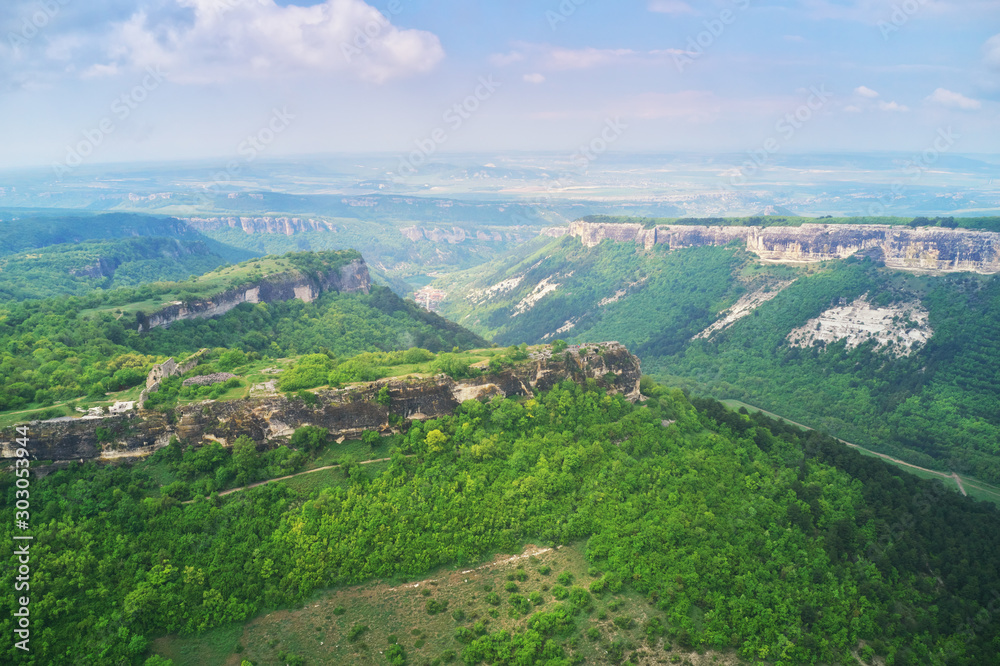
column 953, row 475
column 292, row 476
column 38, row 409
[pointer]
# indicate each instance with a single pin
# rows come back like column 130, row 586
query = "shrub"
column 356, row 631
column 396, row 655
column 434, row 606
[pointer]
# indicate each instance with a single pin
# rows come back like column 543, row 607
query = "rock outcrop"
column 344, row 412
column 353, row 277
column 920, row 249
column 261, row 225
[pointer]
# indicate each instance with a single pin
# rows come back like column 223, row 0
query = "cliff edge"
column 344, row 412
column 921, row 249
column 305, row 285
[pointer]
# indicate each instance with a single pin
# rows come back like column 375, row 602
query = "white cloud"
column 534, row 78
column 991, row 51
column 865, row 91
column 670, row 7
column 953, row 100
column 556, row 58
column 892, row 106
column 559, row 58
column 504, row 59
column 794, row 38
column 232, row 39
column 850, row 108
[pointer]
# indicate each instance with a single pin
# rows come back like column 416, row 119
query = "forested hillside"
column 937, row 406
column 22, row 230
column 75, row 269
column 743, row 537
column 64, row 348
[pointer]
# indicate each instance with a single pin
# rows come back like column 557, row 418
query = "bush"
column 396, row 655
column 565, row 578
column 624, row 622
column 356, row 631
column 559, row 592
column 309, row 438
column 434, row 606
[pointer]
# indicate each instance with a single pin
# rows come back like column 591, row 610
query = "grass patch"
column 211, row 647
column 395, row 613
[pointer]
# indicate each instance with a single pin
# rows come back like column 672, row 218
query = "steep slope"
column 22, row 230
column 65, row 348
column 902, row 362
column 729, row 533
column 75, row 269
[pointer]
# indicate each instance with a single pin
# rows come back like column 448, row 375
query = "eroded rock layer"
column 928, row 249
column 347, row 412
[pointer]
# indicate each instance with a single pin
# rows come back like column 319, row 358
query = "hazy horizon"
column 124, row 81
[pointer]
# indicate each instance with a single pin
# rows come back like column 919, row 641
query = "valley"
column 855, row 346
column 500, row 333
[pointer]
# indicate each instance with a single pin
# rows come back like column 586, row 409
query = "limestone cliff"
column 261, row 225
column 352, row 277
column 347, row 412
column 924, row 249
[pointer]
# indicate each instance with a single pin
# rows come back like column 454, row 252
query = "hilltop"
column 86, row 348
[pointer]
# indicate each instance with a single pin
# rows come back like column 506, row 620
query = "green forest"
column 65, row 348
column 937, row 407
column 76, row 269
column 741, row 534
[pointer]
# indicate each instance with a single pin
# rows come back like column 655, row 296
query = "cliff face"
column 347, row 412
column 348, row 279
column 261, row 225
column 930, row 249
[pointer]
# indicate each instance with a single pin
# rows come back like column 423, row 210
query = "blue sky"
column 138, row 80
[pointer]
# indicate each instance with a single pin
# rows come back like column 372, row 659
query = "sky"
column 92, row 81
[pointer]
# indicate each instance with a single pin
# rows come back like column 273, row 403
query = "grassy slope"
column 397, row 611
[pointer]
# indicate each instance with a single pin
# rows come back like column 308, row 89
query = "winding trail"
column 953, row 476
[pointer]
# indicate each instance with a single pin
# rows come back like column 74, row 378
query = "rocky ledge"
column 352, row 277
column 921, row 249
column 344, row 412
